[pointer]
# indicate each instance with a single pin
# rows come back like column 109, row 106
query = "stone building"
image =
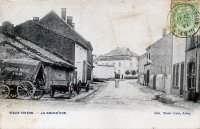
column 124, row 61
column 14, row 47
column 68, row 44
column 159, row 59
column 178, row 66
column 83, row 49
column 192, row 68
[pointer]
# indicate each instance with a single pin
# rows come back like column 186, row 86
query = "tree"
column 127, row 72
column 133, row 72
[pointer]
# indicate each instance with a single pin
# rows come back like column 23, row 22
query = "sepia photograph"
column 99, row 64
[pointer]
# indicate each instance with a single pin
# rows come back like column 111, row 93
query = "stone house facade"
column 58, row 36
column 192, row 68
column 178, row 66
column 15, row 47
column 83, row 48
column 159, row 59
column 122, row 59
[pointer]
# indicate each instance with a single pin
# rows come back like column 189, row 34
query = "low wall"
column 167, row 84
column 151, row 81
column 141, row 79
column 163, row 83
column 159, row 82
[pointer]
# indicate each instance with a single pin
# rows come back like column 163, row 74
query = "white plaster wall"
column 151, row 81
column 103, row 72
column 179, row 45
column 167, row 84
column 80, row 56
column 141, row 79
column 159, row 82
column 125, row 65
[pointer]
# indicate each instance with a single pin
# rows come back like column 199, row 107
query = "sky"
column 107, row 24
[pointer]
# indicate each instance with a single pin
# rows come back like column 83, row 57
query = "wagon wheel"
column 38, row 93
column 25, row 90
column 4, row 91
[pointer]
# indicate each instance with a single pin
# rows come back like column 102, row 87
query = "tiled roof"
column 118, row 54
column 121, row 52
column 34, row 51
column 65, row 30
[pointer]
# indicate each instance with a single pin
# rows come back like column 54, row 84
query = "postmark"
column 184, row 20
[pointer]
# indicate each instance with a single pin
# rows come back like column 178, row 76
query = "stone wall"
column 161, row 56
column 49, row 40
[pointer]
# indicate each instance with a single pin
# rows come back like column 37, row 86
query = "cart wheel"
column 52, row 92
column 25, row 90
column 4, row 91
column 37, row 94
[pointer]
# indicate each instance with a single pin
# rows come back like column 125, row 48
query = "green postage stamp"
column 184, row 20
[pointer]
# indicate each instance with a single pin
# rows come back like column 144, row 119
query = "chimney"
column 73, row 25
column 8, row 28
column 36, row 19
column 164, row 32
column 63, row 13
column 70, row 21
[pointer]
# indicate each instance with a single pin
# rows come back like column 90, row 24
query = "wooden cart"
column 21, row 78
column 62, row 86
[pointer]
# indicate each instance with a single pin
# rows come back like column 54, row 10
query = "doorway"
column 147, row 77
column 191, row 75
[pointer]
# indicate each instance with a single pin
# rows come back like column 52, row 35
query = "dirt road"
column 129, row 105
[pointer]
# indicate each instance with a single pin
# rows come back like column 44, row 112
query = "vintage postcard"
column 99, row 64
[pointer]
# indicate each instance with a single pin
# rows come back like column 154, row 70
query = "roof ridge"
column 77, row 34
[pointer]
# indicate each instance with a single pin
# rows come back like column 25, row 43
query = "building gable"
column 53, row 22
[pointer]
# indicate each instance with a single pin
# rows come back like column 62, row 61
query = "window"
column 113, row 63
column 119, row 64
column 148, row 58
column 191, row 75
column 175, row 75
column 191, row 42
column 131, row 64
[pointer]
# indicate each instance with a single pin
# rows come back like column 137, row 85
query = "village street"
column 105, row 101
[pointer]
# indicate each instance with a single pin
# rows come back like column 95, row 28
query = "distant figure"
column 116, row 83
